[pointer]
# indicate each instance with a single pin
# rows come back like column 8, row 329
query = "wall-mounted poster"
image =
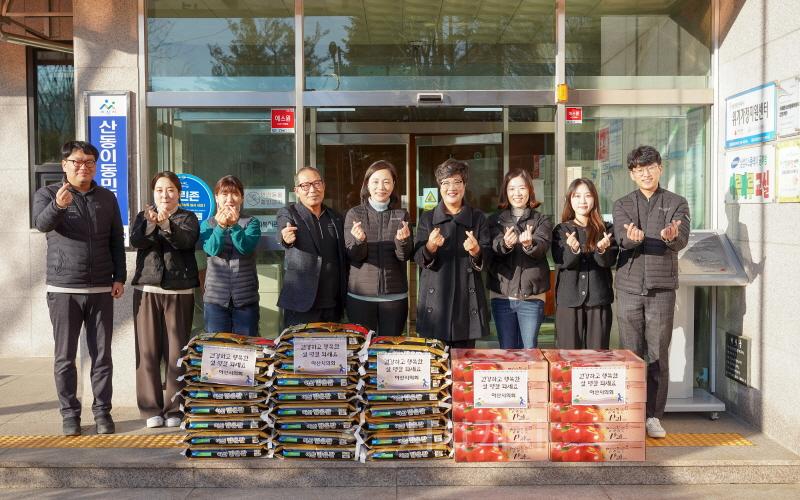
column 788, row 172
column 751, row 175
column 751, row 116
column 788, row 107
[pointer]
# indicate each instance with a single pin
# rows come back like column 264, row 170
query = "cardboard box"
column 562, row 360
column 594, row 414
column 501, row 432
column 465, row 412
column 466, row 361
column 537, row 392
column 597, row 452
column 597, row 433
column 635, row 392
column 517, row 452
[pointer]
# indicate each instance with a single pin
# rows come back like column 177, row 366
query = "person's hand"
column 223, row 216
column 117, row 289
column 572, row 241
column 151, row 215
column 357, row 232
column 404, row 232
column 162, row 216
column 634, row 233
column 526, row 238
column 435, row 240
column 471, row 244
column 64, row 196
column 510, row 238
column 670, row 232
column 233, row 215
column 288, row 233
column 604, row 243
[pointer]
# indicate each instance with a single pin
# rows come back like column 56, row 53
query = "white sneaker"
column 157, row 421
column 654, row 429
column 174, row 422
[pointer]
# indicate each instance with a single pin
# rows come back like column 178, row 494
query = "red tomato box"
column 517, row 452
column 594, row 414
column 466, row 361
column 498, row 433
column 465, row 412
column 635, row 392
column 597, row 452
column 537, row 392
column 597, row 433
column 562, row 360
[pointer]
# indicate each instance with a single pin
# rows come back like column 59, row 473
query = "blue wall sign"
column 196, row 196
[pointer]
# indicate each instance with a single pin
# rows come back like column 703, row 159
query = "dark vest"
column 231, row 276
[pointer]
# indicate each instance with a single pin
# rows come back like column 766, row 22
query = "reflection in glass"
column 418, row 44
column 598, row 149
column 55, row 104
column 630, row 44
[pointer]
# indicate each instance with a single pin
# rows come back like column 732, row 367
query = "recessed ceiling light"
column 334, row 110
column 494, row 110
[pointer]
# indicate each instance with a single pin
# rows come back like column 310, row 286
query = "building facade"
column 259, row 89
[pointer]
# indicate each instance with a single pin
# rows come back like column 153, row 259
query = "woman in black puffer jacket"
column 379, row 243
column 163, row 298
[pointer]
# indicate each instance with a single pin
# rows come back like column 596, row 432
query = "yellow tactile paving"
column 174, row 441
column 685, row 439
column 92, row 441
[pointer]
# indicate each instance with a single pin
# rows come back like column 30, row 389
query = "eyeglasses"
column 641, row 170
column 306, row 186
column 82, row 163
column 455, row 184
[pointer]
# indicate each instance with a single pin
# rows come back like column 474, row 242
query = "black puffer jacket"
column 85, row 241
column 517, row 272
column 377, row 265
column 166, row 258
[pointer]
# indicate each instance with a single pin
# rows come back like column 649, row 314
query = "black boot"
column 104, row 424
column 71, row 426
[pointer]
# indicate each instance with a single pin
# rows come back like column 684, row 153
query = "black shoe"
column 104, row 424
column 71, row 426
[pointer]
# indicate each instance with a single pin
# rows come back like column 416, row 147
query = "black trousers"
column 95, row 312
column 583, row 327
column 328, row 314
column 387, row 319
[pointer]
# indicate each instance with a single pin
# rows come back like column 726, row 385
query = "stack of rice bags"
column 222, row 420
column 315, row 410
column 407, row 421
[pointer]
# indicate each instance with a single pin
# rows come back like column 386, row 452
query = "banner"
column 750, row 174
column 751, row 117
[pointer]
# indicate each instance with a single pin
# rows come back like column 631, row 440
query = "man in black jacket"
column 85, row 271
column 651, row 225
column 315, row 279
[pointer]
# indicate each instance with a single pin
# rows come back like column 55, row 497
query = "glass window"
column 598, row 149
column 214, row 143
column 418, row 44
column 629, row 44
column 220, row 45
column 54, row 107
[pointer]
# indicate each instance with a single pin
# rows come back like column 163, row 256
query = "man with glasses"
column 315, row 280
column 85, row 272
column 651, row 225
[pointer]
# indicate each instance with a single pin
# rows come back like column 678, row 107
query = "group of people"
column 357, row 264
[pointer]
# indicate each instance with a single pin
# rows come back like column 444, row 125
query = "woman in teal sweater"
column 229, row 239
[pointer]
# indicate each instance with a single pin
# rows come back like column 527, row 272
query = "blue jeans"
column 517, row 322
column 239, row 320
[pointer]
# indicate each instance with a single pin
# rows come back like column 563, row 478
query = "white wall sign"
column 228, row 365
column 322, row 355
column 751, row 174
column 788, row 172
column 404, row 371
column 788, row 107
column 598, row 385
column 501, row 388
column 264, row 198
column 269, row 223
column 751, row 116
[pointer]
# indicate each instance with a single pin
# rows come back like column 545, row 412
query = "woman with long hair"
column 378, row 243
column 164, row 236
column 230, row 300
column 519, row 275
column 584, row 251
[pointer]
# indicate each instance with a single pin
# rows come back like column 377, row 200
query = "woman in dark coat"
column 584, row 251
column 452, row 247
column 519, row 275
column 163, row 298
column 379, row 243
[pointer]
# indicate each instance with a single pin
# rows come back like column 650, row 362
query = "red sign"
column 602, row 144
column 283, row 121
column 574, row 115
